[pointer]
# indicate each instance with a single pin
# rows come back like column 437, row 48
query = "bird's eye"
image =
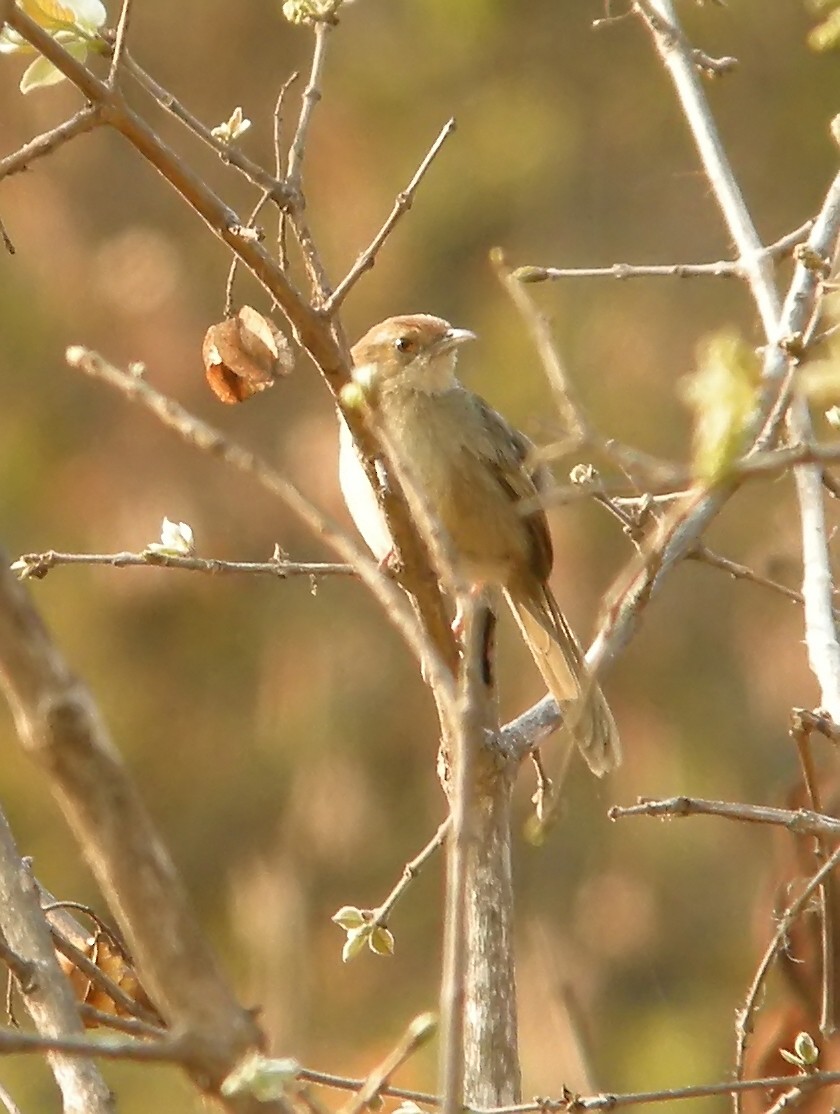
column 403, row 344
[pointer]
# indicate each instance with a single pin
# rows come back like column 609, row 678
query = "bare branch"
column 724, row 268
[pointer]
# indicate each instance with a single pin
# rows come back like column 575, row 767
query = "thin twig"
column 723, row 268
column 318, row 278
column 119, row 43
column 37, row 565
column 311, row 96
column 402, row 204
column 801, row 821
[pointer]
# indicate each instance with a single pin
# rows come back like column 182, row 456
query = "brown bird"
column 476, row 472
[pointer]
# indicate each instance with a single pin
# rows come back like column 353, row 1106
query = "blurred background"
column 280, row 732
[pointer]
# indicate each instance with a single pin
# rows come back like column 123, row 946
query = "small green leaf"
column 355, row 942
column 381, row 941
column 806, row 1049
column 349, row 917
column 529, row 274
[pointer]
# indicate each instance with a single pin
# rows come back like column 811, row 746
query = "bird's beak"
column 453, row 338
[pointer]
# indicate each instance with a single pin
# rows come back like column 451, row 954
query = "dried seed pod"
column 244, row 355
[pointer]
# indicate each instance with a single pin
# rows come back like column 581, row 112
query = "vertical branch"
column 817, row 579
column 478, row 1000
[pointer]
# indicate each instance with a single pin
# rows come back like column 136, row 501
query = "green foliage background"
column 282, row 736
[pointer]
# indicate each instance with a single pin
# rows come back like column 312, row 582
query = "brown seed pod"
column 243, row 355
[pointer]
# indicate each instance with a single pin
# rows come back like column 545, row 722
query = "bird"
column 477, row 475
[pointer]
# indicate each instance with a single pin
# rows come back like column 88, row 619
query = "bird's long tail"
column 559, row 658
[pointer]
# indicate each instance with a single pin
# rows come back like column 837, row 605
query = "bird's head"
column 415, row 351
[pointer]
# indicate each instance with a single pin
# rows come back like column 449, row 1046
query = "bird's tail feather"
column 559, row 658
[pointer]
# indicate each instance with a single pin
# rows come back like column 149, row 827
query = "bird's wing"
column 509, row 455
